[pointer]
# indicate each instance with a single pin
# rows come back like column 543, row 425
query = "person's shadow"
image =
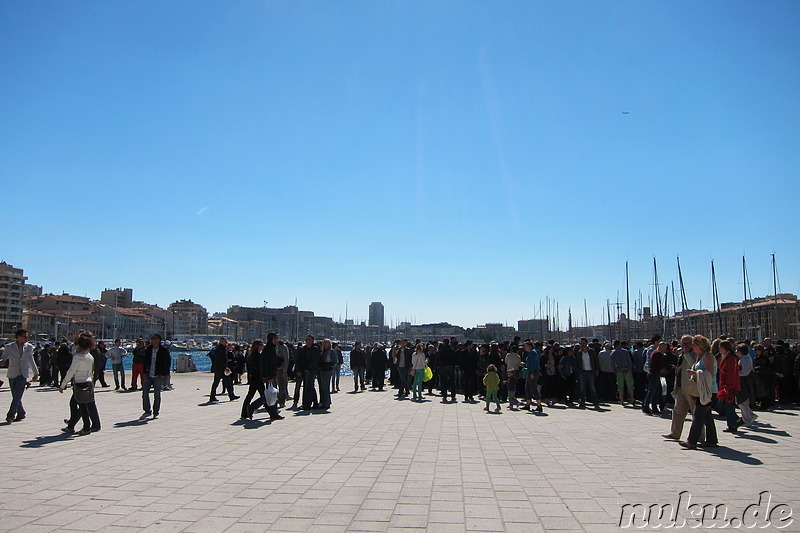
column 38, row 442
column 729, row 454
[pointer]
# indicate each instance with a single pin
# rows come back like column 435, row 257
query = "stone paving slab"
column 372, row 463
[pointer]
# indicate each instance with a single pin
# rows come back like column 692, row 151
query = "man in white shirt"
column 21, row 368
column 115, row 354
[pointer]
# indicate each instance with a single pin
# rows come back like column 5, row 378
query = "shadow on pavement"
column 129, row 423
column 38, row 442
column 252, row 424
column 729, row 454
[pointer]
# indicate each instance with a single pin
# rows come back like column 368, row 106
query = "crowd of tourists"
column 691, row 375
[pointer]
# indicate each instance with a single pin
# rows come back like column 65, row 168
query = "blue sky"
column 457, row 161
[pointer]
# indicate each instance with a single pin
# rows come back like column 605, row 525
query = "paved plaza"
column 372, row 463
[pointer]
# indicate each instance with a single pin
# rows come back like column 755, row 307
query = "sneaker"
column 84, row 432
column 144, row 416
column 212, row 399
column 277, row 417
column 155, row 415
column 68, row 430
column 234, row 397
column 19, row 418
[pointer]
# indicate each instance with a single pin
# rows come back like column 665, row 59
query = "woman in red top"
column 729, row 384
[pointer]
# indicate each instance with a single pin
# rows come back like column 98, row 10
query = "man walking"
column 21, row 368
column 156, row 367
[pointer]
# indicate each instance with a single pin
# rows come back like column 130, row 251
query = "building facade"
column 117, row 297
column 12, row 298
column 187, row 319
column 376, row 314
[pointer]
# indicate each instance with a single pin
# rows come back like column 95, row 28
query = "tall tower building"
column 12, row 296
column 376, row 314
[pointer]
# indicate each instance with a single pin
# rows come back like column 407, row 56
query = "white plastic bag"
column 663, row 385
column 271, row 395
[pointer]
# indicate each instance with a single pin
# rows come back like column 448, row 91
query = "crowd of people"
column 692, row 375
column 79, row 366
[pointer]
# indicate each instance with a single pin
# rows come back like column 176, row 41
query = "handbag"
column 83, row 392
column 427, row 374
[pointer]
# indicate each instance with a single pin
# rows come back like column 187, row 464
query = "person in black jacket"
column 378, row 360
column 358, row 364
column 157, row 363
column 447, row 359
column 307, row 365
column 261, row 369
column 222, row 372
column 469, row 367
column 63, row 361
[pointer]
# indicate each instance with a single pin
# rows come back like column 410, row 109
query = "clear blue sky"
column 458, row 161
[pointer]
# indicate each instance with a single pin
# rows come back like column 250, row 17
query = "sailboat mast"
column 775, row 292
column 628, row 300
column 655, row 283
column 715, row 296
column 684, row 303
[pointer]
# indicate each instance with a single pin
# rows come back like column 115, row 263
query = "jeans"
column 309, row 389
column 587, row 382
column 118, row 372
column 702, row 418
column 358, row 376
column 156, row 382
column 86, row 412
column 335, row 378
column 729, row 410
column 532, row 389
column 653, row 400
column 17, row 386
column 325, row 377
column 404, row 373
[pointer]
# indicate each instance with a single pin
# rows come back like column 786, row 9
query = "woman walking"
column 418, row 371
column 704, row 372
column 80, row 372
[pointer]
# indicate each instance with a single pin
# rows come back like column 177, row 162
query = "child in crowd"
column 492, row 382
